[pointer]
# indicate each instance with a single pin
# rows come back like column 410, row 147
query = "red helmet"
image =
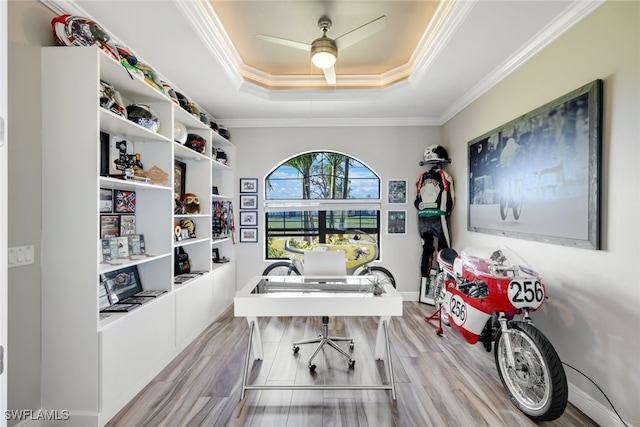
column 71, row 30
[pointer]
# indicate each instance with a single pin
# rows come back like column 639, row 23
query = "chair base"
column 325, row 339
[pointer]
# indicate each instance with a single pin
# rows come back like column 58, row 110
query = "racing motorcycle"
column 489, row 300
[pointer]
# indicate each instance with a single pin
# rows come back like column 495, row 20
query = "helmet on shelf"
column 179, row 133
column 196, row 143
column 191, row 203
column 223, row 132
column 111, row 100
column 184, row 102
column 69, row 30
column 169, row 91
column 144, row 116
column 435, row 154
column 221, row 156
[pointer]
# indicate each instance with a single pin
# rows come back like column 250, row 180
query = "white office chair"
column 325, row 264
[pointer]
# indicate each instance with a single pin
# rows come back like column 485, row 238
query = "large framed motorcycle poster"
column 538, row 176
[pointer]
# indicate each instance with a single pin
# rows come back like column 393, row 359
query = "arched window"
column 317, row 197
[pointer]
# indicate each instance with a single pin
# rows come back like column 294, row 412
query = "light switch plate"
column 20, row 255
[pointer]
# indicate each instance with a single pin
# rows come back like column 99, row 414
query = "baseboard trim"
column 595, row 410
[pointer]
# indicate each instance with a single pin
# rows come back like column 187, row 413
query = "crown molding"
column 573, row 14
column 331, row 122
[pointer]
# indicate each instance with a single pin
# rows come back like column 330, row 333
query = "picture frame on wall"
column 248, row 201
column 249, row 218
column 396, row 222
column 397, row 191
column 538, row 177
column 248, row 235
column 248, row 185
column 179, row 179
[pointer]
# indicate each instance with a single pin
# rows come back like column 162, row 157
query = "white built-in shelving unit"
column 92, row 365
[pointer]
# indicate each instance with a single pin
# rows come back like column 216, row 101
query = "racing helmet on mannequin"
column 435, row 154
column 144, row 116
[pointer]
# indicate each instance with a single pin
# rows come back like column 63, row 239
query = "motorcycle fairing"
column 466, row 314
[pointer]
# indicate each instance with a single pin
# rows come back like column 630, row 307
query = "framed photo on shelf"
column 215, row 254
column 397, row 222
column 248, row 185
column 109, row 226
column 106, row 200
column 179, row 178
column 214, row 190
column 248, row 235
column 126, row 282
column 127, row 225
column 249, row 218
column 125, row 201
column 397, row 191
column 248, row 202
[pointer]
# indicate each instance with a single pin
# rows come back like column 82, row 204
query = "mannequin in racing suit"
column 435, row 198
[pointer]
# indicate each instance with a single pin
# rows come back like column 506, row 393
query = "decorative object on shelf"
column 222, row 219
column 397, row 222
column 103, row 297
column 214, row 190
column 143, row 115
column 111, row 100
column 109, row 249
column 156, row 175
column 543, row 167
column 106, row 200
column 188, row 225
column 69, row 30
column 126, row 282
column 169, row 91
column 123, row 246
column 179, row 133
column 248, row 185
column 127, row 225
column 179, row 184
column 125, row 201
column 191, row 203
column 248, row 201
column 248, row 235
column 181, row 261
column 150, row 77
column 121, row 157
column 196, row 143
column 109, row 226
column 248, row 218
column 397, row 191
column 221, row 156
column 216, row 258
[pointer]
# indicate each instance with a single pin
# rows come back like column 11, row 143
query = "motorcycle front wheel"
column 380, row 272
column 280, row 268
column 537, row 384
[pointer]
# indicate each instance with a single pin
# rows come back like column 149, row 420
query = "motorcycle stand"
column 436, row 316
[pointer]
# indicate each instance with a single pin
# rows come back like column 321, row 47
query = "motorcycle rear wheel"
column 537, row 384
column 280, row 268
column 380, row 272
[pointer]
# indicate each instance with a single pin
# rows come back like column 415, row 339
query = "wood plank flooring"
column 440, row 381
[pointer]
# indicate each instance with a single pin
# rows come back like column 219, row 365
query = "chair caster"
column 296, row 349
column 352, row 363
column 312, row 367
column 351, row 345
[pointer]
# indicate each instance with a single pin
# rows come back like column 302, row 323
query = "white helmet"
column 435, row 154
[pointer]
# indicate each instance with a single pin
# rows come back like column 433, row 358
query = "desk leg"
column 380, row 346
column 245, row 372
column 391, row 378
column 257, row 339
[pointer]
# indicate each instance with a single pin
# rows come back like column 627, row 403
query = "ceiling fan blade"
column 284, row 42
column 361, row 33
column 330, row 75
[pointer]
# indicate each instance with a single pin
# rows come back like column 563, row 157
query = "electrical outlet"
column 20, row 255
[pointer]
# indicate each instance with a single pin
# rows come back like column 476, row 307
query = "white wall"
column 391, row 152
column 592, row 315
column 29, row 28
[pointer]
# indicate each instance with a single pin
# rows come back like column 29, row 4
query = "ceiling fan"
column 324, row 51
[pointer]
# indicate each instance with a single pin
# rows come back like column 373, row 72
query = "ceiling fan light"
column 324, row 53
column 323, row 60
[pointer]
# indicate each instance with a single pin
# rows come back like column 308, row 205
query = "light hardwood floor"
column 440, row 381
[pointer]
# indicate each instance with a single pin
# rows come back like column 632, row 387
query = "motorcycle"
column 489, row 301
column 360, row 248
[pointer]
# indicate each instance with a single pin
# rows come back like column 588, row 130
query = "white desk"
column 316, row 296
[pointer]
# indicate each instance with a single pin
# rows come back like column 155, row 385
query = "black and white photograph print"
column 248, row 202
column 248, row 235
column 537, row 177
column 249, row 218
column 248, row 185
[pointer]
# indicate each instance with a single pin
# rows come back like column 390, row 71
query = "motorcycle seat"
column 448, row 256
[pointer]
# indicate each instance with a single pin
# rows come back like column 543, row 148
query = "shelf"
column 125, row 262
column 123, row 184
column 114, row 124
column 190, row 242
column 185, row 154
